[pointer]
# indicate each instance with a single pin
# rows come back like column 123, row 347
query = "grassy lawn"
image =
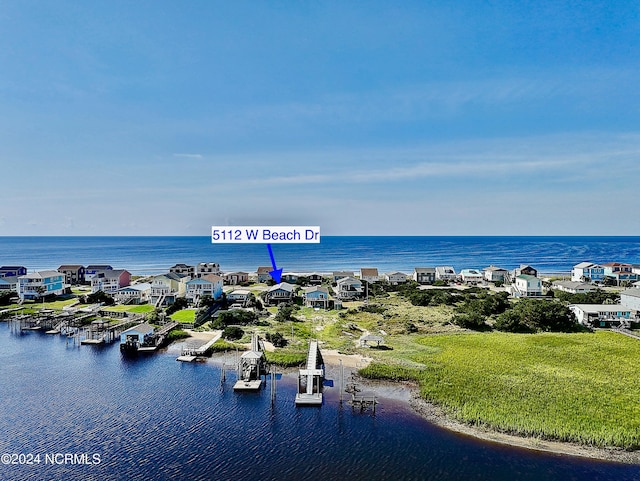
column 58, row 305
column 186, row 316
column 569, row 387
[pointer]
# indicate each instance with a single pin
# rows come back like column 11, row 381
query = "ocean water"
column 155, row 418
column 148, row 255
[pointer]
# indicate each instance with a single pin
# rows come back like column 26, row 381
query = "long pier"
column 189, row 354
column 311, row 378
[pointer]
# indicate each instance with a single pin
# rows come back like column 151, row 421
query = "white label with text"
column 265, row 234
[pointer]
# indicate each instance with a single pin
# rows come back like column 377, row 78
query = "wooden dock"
column 311, row 378
column 191, row 354
column 251, row 367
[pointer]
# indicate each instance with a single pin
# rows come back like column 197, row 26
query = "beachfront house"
column 587, row 272
column 8, row 284
column 110, row 281
column 337, row 275
column 315, row 278
column 369, row 274
column 446, row 273
column 602, row 315
column 573, row 287
column 316, row 296
column 166, row 288
column 630, row 298
column 524, row 269
column 13, row 271
column 73, row 274
column 39, row 284
column 471, row 276
column 183, row 270
column 134, row 294
column 235, row 278
column 424, row 275
column 495, row 274
column 395, row 278
column 619, row 272
column 526, row 286
column 204, row 268
column 348, row 288
column 207, row 285
column 263, row 273
column 290, row 277
column 279, row 293
column 92, row 269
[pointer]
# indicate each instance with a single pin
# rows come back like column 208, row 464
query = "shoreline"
column 434, row 414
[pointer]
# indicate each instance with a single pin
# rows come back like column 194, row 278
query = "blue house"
column 316, row 296
column 39, row 284
column 13, row 271
column 136, row 336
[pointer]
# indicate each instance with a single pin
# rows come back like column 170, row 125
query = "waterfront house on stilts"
column 253, row 364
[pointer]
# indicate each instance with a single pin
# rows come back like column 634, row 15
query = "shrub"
column 232, row 333
column 276, row 339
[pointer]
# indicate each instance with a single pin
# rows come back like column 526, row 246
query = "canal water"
column 87, row 413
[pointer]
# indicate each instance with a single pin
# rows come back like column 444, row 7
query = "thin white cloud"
column 189, row 156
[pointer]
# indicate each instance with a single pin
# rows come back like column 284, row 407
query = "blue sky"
column 366, row 118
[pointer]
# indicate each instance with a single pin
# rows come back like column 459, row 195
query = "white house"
column 587, row 271
column 136, row 336
column 630, row 298
column 337, row 275
column 573, row 287
column 41, row 283
column 207, row 285
column 110, row 281
column 424, row 275
column 601, row 315
column 238, row 296
column 278, row 293
column 395, row 278
column 495, row 274
column 526, row 286
column 204, row 268
column 348, row 288
column 9, row 284
column 166, row 288
column 134, row 294
column 471, row 276
column 369, row 274
column 316, row 296
column 446, row 273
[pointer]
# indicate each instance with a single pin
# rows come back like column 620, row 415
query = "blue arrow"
column 276, row 273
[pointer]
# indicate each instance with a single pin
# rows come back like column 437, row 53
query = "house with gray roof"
column 424, row 275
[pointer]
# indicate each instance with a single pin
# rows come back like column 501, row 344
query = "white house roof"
column 574, row 285
column 348, row 280
column 396, row 273
column 633, row 292
column 240, row 292
column 110, row 274
column 595, row 308
column 320, row 289
column 251, row 355
column 136, row 287
column 470, row 272
column 424, row 270
column 585, row 265
column 495, row 269
column 41, row 275
column 445, row 270
column 285, row 286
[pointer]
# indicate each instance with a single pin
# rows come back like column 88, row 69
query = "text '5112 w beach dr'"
column 265, row 234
